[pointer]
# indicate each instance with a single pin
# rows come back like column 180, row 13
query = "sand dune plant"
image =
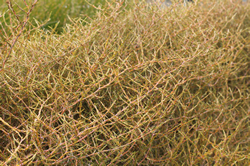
column 138, row 86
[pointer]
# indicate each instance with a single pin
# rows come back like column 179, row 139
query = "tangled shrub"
column 140, row 86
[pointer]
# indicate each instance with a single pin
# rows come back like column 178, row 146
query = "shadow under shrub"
column 145, row 86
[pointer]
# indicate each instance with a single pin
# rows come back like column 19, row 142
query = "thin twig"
column 22, row 29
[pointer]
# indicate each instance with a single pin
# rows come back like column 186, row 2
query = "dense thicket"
column 140, row 86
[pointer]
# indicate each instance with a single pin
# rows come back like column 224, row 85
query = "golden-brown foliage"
column 144, row 86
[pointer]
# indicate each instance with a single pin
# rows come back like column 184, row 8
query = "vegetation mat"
column 144, row 85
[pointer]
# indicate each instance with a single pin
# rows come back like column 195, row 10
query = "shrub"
column 139, row 86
